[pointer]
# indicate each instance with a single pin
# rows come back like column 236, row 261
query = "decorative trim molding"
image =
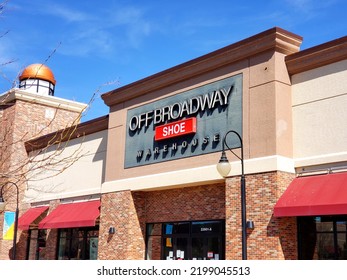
column 275, row 39
column 67, row 134
column 46, row 100
column 317, row 56
column 197, row 176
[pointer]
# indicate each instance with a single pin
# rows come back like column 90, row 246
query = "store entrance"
column 206, row 248
column 197, row 240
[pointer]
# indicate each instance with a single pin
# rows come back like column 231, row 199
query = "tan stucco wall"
column 319, row 115
column 84, row 177
column 267, row 128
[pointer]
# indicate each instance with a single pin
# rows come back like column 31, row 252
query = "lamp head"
column 223, row 165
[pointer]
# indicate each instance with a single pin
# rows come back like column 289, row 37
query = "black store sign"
column 216, row 108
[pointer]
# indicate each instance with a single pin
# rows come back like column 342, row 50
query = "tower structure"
column 28, row 112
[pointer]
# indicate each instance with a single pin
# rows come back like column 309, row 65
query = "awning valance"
column 313, row 196
column 26, row 220
column 79, row 214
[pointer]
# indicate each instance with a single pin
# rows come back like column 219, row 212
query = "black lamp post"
column 2, row 207
column 224, row 168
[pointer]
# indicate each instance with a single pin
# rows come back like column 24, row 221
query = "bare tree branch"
column 21, row 157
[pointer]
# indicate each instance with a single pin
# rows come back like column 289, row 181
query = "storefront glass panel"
column 36, row 244
column 341, row 246
column 322, row 238
column 200, row 240
column 78, row 244
column 213, row 248
column 181, row 248
column 168, row 250
column 198, row 248
column 206, row 248
column 323, row 226
column 206, row 227
column 153, row 248
column 341, row 225
column 63, row 249
column 325, row 246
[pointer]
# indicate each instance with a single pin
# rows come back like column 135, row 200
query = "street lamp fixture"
column 224, row 168
column 2, row 208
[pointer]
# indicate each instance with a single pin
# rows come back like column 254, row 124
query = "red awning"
column 314, row 195
column 30, row 216
column 80, row 214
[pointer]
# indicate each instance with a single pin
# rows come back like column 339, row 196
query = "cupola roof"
column 38, row 71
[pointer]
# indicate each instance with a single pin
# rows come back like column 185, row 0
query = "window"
column 323, row 238
column 36, row 86
column 198, row 240
column 36, row 244
column 78, row 243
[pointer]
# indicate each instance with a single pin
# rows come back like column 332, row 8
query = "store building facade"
column 171, row 185
column 146, row 184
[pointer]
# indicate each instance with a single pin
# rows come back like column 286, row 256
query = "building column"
column 123, row 211
column 272, row 238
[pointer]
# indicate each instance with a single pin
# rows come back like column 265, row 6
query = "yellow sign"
column 8, row 229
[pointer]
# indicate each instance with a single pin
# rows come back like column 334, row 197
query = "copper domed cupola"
column 37, row 78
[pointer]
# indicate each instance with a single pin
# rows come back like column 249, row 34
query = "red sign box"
column 175, row 129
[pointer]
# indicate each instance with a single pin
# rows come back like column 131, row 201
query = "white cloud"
column 99, row 31
column 68, row 14
column 87, row 34
column 310, row 7
column 86, row 42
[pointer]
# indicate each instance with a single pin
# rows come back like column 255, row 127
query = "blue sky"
column 96, row 46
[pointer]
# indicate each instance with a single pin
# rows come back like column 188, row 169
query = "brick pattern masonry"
column 129, row 212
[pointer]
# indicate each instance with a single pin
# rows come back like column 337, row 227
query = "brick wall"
column 124, row 211
column 130, row 211
column 272, row 238
column 50, row 251
column 186, row 204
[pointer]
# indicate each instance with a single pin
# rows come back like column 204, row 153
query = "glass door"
column 199, row 240
column 207, row 240
column 206, row 248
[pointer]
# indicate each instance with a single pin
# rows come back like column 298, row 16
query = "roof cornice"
column 275, row 39
column 67, row 134
column 46, row 100
column 317, row 56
